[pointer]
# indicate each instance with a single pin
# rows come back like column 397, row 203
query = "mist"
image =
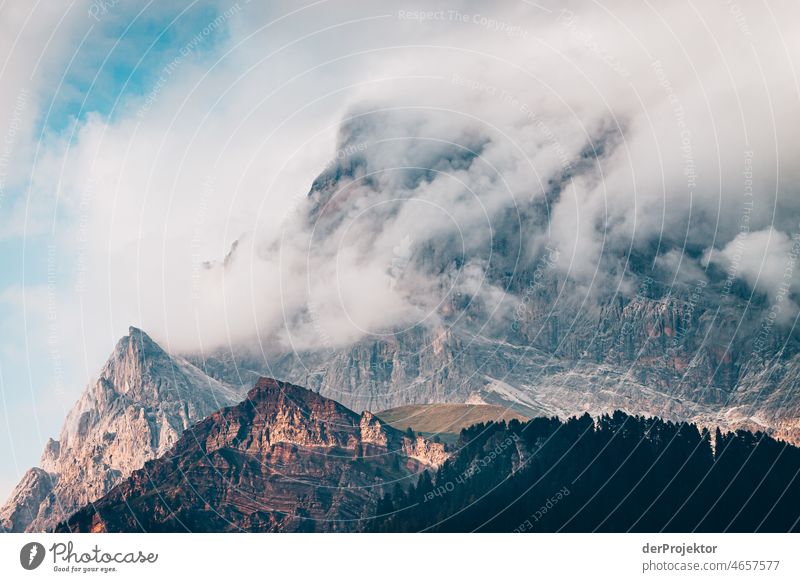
column 414, row 130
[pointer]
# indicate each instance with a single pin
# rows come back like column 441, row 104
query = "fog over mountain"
column 621, row 145
column 658, row 164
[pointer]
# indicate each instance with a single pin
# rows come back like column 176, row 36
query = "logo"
column 31, row 555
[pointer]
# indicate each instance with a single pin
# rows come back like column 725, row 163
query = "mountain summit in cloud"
column 485, row 306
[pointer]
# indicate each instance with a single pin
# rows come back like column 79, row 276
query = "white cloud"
column 766, row 259
column 230, row 146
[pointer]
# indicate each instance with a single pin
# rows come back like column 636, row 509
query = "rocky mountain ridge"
column 645, row 368
column 284, row 459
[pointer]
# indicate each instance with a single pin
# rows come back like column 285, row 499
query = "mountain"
column 22, row 506
column 653, row 356
column 289, row 460
column 615, row 473
column 657, row 329
column 284, row 459
column 135, row 411
column 445, row 420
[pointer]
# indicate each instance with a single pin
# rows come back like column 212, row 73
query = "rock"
column 23, row 504
column 135, row 411
column 284, row 459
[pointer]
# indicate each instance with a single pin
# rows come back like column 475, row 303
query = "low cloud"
column 601, row 132
column 766, row 260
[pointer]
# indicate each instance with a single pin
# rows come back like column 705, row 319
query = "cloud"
column 766, row 259
column 34, row 44
column 482, row 135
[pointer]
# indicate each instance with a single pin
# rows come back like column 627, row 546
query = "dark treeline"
column 622, row 473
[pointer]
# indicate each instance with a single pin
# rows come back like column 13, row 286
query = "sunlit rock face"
column 137, row 409
column 284, row 459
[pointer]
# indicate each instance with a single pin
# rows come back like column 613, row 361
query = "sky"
column 141, row 140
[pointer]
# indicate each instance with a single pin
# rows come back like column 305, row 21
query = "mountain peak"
column 284, row 459
column 266, row 385
column 296, row 415
column 140, row 404
column 270, row 389
column 139, row 341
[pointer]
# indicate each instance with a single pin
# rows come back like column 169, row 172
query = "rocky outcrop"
column 638, row 371
column 137, row 409
column 423, row 450
column 284, row 459
column 26, row 498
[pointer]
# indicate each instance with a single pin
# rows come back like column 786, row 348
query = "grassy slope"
column 445, row 420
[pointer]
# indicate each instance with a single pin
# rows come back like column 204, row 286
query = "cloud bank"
column 615, row 129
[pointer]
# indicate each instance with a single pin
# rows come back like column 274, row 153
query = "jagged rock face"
column 645, row 356
column 284, row 459
column 419, row 365
column 136, row 410
column 23, row 504
column 629, row 360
